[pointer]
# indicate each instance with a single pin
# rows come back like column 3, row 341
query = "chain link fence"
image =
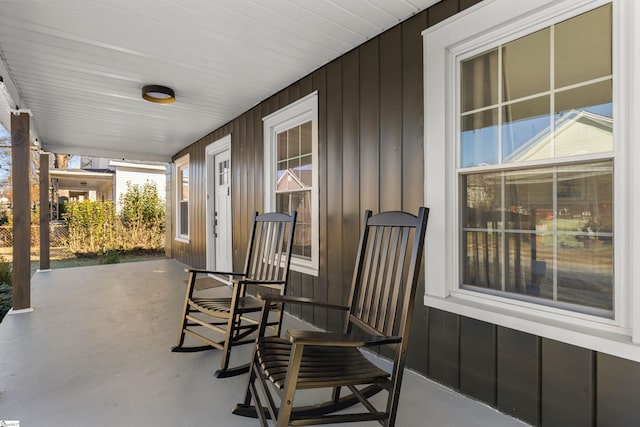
column 58, row 237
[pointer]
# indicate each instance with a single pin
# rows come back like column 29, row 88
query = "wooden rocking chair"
column 266, row 266
column 378, row 315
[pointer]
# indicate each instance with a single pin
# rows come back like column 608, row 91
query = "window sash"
column 511, row 257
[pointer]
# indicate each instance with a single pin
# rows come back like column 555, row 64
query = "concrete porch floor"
column 96, row 352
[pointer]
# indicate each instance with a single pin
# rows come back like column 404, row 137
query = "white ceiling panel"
column 79, row 65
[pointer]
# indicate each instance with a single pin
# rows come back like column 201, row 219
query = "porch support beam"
column 21, row 210
column 45, row 208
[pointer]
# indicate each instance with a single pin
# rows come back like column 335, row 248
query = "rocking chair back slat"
column 379, row 289
column 268, row 257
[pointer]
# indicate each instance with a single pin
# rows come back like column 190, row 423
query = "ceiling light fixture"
column 158, row 94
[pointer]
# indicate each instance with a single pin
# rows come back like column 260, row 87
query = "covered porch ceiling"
column 79, row 65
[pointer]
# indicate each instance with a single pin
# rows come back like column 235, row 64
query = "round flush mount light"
column 158, row 94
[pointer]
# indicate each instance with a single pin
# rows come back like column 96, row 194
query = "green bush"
column 91, row 226
column 94, row 227
column 6, row 280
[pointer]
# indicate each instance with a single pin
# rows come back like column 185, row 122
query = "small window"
column 291, row 170
column 182, row 199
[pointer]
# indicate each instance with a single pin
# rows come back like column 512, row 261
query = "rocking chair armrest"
column 260, row 282
column 223, row 273
column 288, row 299
column 337, row 339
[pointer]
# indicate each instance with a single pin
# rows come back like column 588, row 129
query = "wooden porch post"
column 21, row 210
column 44, row 212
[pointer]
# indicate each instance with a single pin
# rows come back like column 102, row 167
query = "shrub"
column 91, row 226
column 142, row 214
column 6, row 280
column 94, row 227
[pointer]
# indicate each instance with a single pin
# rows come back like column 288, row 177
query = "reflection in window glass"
column 538, row 120
column 544, row 234
column 479, row 139
column 480, row 81
column 524, row 125
column 582, row 49
column 293, row 188
column 526, row 66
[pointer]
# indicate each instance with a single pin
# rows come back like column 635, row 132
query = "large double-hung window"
column 536, row 165
column 528, row 123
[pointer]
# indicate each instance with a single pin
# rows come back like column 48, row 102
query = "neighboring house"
column 383, row 128
column 81, row 184
column 134, row 173
column 104, row 179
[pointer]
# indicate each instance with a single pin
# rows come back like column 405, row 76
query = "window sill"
column 616, row 343
column 182, row 239
column 303, row 267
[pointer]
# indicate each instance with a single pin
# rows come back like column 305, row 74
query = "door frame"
column 211, row 151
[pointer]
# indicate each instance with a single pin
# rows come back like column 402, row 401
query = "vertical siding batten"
column 334, row 179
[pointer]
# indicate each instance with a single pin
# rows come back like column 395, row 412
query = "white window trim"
column 298, row 112
column 179, row 163
column 485, row 24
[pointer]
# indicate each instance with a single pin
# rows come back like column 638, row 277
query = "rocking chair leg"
column 232, row 372
column 180, row 349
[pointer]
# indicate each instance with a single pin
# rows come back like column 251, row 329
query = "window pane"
column 585, row 274
column 281, row 146
column 529, row 199
column 301, row 202
column 584, row 120
column 293, row 141
column 483, row 252
column 184, row 184
column 583, row 47
column 303, row 172
column 526, row 66
column 184, row 218
column 480, row 81
column 525, row 131
column 526, row 271
column 585, row 200
column 305, row 138
column 479, row 143
column 483, row 200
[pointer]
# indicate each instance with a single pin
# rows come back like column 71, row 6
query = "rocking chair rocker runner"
column 266, row 266
column 378, row 315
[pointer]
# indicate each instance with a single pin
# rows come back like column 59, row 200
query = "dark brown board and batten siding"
column 371, row 157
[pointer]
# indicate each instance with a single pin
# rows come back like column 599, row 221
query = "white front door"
column 219, row 237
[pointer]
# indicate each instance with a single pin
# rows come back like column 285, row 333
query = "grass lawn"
column 82, row 262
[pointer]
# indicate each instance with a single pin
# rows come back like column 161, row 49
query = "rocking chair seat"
column 320, row 366
column 211, row 306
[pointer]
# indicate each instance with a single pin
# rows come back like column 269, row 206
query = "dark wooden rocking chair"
column 266, row 266
column 378, row 315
